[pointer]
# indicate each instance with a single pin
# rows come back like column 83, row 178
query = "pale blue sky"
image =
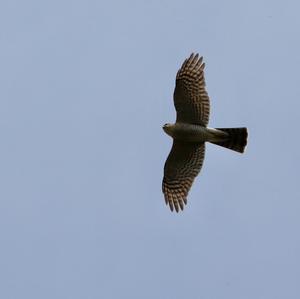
column 85, row 89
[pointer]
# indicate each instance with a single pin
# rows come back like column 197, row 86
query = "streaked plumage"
column 190, row 132
column 190, row 97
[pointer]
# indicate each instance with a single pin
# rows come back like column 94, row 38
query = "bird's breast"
column 190, row 132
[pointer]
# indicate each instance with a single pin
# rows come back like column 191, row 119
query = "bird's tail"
column 236, row 140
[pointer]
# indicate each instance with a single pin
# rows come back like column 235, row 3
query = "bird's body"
column 194, row 133
column 190, row 132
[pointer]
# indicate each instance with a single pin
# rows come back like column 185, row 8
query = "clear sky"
column 85, row 89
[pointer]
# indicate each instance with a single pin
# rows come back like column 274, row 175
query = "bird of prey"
column 190, row 132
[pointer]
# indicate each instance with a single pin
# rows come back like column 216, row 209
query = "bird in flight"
column 190, row 132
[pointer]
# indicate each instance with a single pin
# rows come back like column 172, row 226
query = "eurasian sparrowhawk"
column 190, row 132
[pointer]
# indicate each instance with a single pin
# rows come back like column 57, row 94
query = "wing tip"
column 193, row 62
column 174, row 201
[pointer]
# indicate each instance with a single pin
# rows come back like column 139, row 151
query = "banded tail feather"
column 237, row 139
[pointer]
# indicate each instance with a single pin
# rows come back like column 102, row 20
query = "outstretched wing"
column 182, row 166
column 190, row 97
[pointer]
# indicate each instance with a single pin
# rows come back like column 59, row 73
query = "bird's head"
column 168, row 128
